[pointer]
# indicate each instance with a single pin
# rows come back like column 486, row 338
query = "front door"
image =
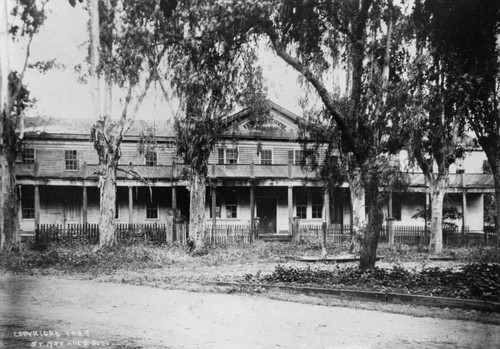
column 266, row 211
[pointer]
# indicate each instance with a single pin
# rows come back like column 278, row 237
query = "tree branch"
column 318, row 85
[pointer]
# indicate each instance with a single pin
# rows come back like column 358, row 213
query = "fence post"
column 295, row 229
column 390, row 231
column 323, row 241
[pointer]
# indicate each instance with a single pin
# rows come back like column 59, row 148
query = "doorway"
column 266, row 211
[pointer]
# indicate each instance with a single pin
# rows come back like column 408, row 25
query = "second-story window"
column 266, row 157
column 228, row 156
column 71, row 159
column 296, row 156
column 29, row 155
column 151, row 158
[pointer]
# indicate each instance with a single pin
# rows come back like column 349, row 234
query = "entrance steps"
column 275, row 237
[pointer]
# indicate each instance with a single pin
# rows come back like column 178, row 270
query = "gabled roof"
column 282, row 124
column 45, row 126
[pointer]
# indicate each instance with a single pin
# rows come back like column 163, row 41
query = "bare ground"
column 125, row 316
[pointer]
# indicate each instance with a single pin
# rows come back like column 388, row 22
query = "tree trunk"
column 197, row 214
column 496, row 179
column 369, row 242
column 437, row 192
column 358, row 207
column 107, row 186
column 10, row 234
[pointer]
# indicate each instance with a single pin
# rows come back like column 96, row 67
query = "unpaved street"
column 88, row 314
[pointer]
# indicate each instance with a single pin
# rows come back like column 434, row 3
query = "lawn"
column 467, row 272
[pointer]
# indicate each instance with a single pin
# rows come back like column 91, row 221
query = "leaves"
column 476, row 281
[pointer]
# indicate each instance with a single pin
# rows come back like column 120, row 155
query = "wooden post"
column 290, row 213
column 465, row 220
column 130, row 205
column 390, row 231
column 326, row 207
column 389, row 206
column 174, row 198
column 84, row 204
column 252, row 170
column 37, row 206
column 213, row 193
column 252, row 213
column 290, row 169
column 323, row 240
column 427, row 210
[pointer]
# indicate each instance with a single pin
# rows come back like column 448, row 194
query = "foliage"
column 214, row 69
column 476, row 281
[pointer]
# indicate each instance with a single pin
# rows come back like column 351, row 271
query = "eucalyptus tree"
column 470, row 42
column 313, row 37
column 128, row 40
column 214, row 70
column 22, row 22
column 432, row 125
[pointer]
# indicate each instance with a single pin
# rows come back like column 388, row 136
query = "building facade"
column 253, row 176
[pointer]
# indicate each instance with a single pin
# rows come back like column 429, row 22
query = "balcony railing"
column 174, row 171
column 236, row 171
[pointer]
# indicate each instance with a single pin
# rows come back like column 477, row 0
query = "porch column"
column 389, row 206
column 252, row 213
column 465, row 218
column 290, row 211
column 130, row 205
column 174, row 198
column 326, row 207
column 37, row 206
column 213, row 194
column 390, row 222
column 84, row 205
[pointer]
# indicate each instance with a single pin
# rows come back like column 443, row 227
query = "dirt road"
column 47, row 312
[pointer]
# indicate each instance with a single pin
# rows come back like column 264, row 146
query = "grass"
column 172, row 267
column 79, row 258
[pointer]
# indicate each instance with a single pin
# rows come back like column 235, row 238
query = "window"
column 29, row 155
column 152, row 210
column 232, row 205
column 301, row 205
column 299, row 157
column 71, row 159
column 266, row 157
column 296, row 156
column 228, row 156
column 27, row 202
column 396, row 207
column 151, row 158
column 317, row 205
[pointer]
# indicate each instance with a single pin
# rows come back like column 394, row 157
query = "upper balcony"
column 164, row 172
column 473, row 182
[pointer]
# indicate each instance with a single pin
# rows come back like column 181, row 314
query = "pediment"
column 281, row 123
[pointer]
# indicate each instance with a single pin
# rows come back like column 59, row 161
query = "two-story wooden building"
column 252, row 174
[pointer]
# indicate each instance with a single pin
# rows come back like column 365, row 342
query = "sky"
column 64, row 37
